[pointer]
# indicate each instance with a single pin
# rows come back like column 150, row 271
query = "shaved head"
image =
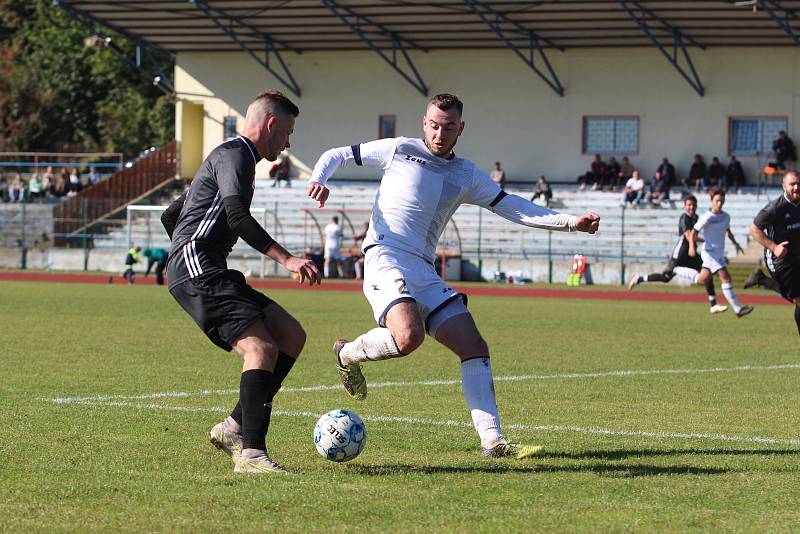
column 270, row 104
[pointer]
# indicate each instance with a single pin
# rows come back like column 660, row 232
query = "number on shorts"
column 401, row 286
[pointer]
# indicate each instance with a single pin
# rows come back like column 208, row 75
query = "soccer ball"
column 340, row 435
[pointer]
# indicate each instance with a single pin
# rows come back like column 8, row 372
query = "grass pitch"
column 655, row 417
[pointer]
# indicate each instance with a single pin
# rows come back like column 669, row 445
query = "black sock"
column 236, row 414
column 254, row 394
column 655, row 277
column 797, row 317
column 712, row 294
column 282, row 368
column 770, row 283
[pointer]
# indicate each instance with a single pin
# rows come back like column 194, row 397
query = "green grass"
column 148, row 467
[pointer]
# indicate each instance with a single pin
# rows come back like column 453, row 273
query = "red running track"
column 477, row 290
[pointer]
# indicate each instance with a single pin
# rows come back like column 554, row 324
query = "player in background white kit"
column 333, row 247
column 423, row 184
column 715, row 225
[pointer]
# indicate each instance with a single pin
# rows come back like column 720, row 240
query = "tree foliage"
column 57, row 94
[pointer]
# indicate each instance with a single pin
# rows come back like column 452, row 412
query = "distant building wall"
column 510, row 114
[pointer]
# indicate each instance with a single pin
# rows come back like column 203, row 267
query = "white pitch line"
column 512, row 378
column 463, row 424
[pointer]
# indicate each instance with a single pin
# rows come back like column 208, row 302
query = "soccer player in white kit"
column 423, row 184
column 333, row 246
column 715, row 225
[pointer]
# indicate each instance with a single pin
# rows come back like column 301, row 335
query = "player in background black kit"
column 204, row 224
column 777, row 229
column 680, row 263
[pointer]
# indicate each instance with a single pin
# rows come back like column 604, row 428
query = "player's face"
column 690, row 207
column 717, row 202
column 442, row 129
column 280, row 128
column 791, row 186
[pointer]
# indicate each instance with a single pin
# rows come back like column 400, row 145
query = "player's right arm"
column 765, row 218
column 171, row 215
column 374, row 154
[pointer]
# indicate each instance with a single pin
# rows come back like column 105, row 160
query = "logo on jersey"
column 375, row 288
column 415, row 159
column 788, row 216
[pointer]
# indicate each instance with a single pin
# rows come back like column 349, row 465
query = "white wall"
column 511, row 114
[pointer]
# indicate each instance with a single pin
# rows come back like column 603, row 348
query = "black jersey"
column 202, row 238
column 686, row 222
column 780, row 220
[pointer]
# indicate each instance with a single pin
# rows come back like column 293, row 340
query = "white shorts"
column 392, row 276
column 713, row 261
column 332, row 253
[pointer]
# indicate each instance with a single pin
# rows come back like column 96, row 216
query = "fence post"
column 480, row 236
column 128, row 222
column 549, row 257
column 85, row 224
column 275, row 233
column 263, row 257
column 622, row 248
column 24, row 252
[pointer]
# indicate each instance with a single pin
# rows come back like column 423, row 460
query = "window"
column 753, row 136
column 611, row 135
column 386, row 126
column 229, row 128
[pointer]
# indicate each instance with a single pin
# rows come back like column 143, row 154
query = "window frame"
column 587, row 118
column 381, row 118
column 732, row 118
column 225, row 127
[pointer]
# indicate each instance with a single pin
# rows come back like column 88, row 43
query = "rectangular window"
column 611, row 135
column 229, row 127
column 386, row 126
column 753, row 136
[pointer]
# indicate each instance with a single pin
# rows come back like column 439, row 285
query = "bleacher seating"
column 649, row 233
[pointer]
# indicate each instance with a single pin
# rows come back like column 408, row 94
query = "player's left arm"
column 171, row 215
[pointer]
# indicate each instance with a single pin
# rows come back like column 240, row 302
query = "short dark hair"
column 278, row 102
column 716, row 191
column 690, row 197
column 446, row 101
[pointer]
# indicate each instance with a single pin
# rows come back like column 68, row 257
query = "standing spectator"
column 5, row 196
column 612, row 171
column 498, row 175
column 18, row 188
column 784, row 150
column 716, row 174
column 543, row 192
column 625, row 172
column 35, row 187
column 734, row 174
column 92, row 177
column 280, row 170
column 157, row 257
column 48, row 182
column 333, row 247
column 697, row 174
column 131, row 258
column 667, row 170
column 75, row 184
column 634, row 190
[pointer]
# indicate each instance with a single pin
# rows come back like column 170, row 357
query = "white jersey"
column 714, row 227
column 333, row 236
column 420, row 192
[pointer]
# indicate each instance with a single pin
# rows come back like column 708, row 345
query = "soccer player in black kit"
column 680, row 262
column 204, row 224
column 777, row 229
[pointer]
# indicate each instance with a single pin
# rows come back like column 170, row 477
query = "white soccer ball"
column 340, row 435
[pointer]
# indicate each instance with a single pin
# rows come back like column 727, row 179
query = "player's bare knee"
column 409, row 339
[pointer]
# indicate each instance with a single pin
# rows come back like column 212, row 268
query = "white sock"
column 326, row 270
column 730, row 295
column 377, row 344
column 478, row 387
column 686, row 272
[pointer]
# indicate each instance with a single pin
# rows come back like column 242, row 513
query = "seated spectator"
column 659, row 190
column 35, row 188
column 18, row 188
column 734, row 174
column 5, row 195
column 715, row 175
column 543, row 193
column 48, row 182
column 75, row 183
column 61, row 187
column 610, row 176
column 498, row 175
column 784, row 150
column 697, row 174
column 634, row 190
column 92, row 177
column 281, row 169
column 667, row 170
column 595, row 174
column 625, row 172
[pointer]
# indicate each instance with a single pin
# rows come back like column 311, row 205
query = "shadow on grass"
column 619, row 454
column 610, row 470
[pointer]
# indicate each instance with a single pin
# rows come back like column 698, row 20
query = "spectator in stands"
column 543, row 193
column 358, row 255
column 75, row 183
column 612, row 171
column 784, row 150
column 18, row 188
column 625, row 172
column 634, row 190
column 594, row 175
column 5, row 196
column 716, row 175
column 498, row 175
column 697, row 174
column 48, row 182
column 61, row 187
column 35, row 188
column 667, row 170
column 659, row 190
column 281, row 169
column 157, row 257
column 734, row 174
column 92, row 177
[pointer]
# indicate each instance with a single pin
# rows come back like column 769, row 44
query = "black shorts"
column 788, row 278
column 223, row 306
